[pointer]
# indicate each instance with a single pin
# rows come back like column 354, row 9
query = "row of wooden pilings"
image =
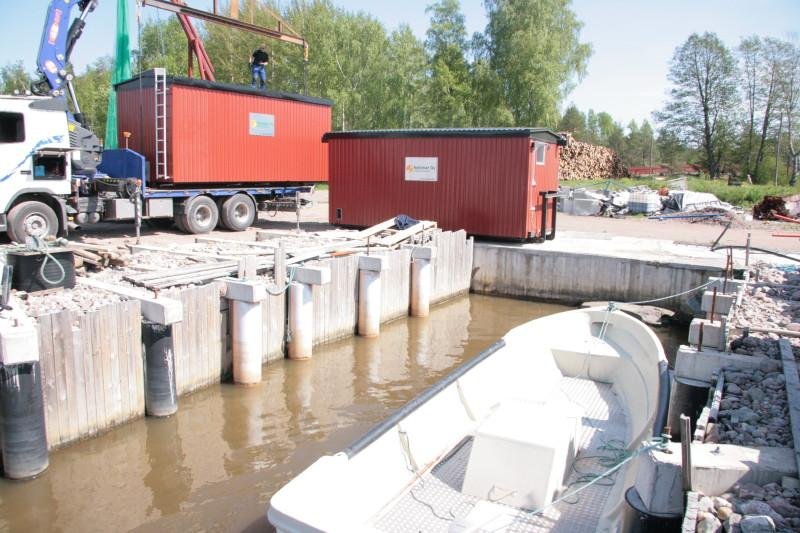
column 23, row 435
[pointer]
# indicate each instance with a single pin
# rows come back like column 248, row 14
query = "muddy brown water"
column 215, row 464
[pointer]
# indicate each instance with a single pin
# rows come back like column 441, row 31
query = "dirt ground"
column 316, row 219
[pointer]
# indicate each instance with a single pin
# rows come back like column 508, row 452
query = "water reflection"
column 215, row 464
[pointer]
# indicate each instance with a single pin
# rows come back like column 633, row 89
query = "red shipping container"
column 492, row 182
column 221, row 133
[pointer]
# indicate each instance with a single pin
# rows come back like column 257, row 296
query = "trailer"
column 204, row 154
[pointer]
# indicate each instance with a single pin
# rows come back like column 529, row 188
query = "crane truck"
column 56, row 176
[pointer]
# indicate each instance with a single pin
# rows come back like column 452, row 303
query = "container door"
column 533, row 200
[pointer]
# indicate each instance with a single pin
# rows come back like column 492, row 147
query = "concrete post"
column 246, row 327
column 369, row 294
column 301, row 309
column 421, row 286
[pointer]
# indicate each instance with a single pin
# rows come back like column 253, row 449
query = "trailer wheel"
column 238, row 212
column 32, row 218
column 200, row 215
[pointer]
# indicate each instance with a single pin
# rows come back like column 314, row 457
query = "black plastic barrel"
column 160, row 391
column 644, row 521
column 23, row 437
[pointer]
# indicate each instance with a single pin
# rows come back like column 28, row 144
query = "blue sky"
column 633, row 40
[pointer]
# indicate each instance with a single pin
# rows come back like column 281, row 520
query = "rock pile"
column 754, row 410
column 751, row 508
column 584, row 161
column 774, row 306
column 80, row 299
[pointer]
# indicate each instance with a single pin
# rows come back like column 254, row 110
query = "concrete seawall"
column 565, row 275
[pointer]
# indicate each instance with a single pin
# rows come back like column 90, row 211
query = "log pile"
column 584, row 161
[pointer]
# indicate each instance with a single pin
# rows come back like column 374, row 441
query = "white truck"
column 55, row 175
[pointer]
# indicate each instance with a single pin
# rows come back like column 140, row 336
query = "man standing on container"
column 258, row 67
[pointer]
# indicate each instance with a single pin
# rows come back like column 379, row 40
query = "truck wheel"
column 32, row 218
column 238, row 212
column 200, row 215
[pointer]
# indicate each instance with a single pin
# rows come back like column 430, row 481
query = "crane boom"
column 280, row 35
column 58, row 40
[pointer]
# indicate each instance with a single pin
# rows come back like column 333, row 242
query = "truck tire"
column 238, row 212
column 200, row 215
column 31, row 218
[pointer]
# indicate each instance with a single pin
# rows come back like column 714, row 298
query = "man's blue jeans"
column 259, row 73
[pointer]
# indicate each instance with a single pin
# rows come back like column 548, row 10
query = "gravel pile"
column 769, row 307
column 80, row 299
column 754, row 410
column 750, row 508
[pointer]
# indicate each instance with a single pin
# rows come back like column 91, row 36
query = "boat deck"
column 436, row 500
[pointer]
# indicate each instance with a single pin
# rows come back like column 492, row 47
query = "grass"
column 744, row 195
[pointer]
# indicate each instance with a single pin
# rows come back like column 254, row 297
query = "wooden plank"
column 62, row 344
column 792, row 393
column 121, row 341
column 61, row 381
column 268, row 247
column 212, row 326
column 207, row 344
column 172, row 272
column 377, row 228
column 100, row 371
column 80, row 377
column 304, row 254
column 49, row 379
column 197, row 255
column 135, row 325
column 407, row 233
column 87, row 351
column 110, row 366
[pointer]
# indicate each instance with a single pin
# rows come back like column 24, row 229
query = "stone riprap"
column 752, row 508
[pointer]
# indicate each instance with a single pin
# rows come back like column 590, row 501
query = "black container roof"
column 540, row 134
column 148, row 81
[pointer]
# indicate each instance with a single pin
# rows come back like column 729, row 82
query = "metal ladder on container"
column 160, row 87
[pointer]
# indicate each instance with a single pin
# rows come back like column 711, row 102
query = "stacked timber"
column 584, row 161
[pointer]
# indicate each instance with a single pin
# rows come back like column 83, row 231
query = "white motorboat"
column 540, row 432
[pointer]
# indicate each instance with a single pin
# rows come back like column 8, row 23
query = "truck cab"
column 35, row 166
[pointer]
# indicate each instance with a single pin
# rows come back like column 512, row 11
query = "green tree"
column 91, row 89
column 405, row 84
column 163, row 44
column 573, row 121
column 446, row 44
column 790, row 105
column 671, row 149
column 486, row 106
column 14, row 77
column 536, row 51
column 592, row 128
column 703, row 98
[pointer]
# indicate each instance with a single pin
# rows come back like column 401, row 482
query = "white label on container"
column 262, row 125
column 422, row 169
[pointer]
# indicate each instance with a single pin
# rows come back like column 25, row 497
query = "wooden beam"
column 377, row 228
column 792, row 393
column 267, row 245
column 199, row 255
column 407, row 233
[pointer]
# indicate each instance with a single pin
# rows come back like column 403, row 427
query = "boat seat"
column 577, row 357
column 520, row 453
